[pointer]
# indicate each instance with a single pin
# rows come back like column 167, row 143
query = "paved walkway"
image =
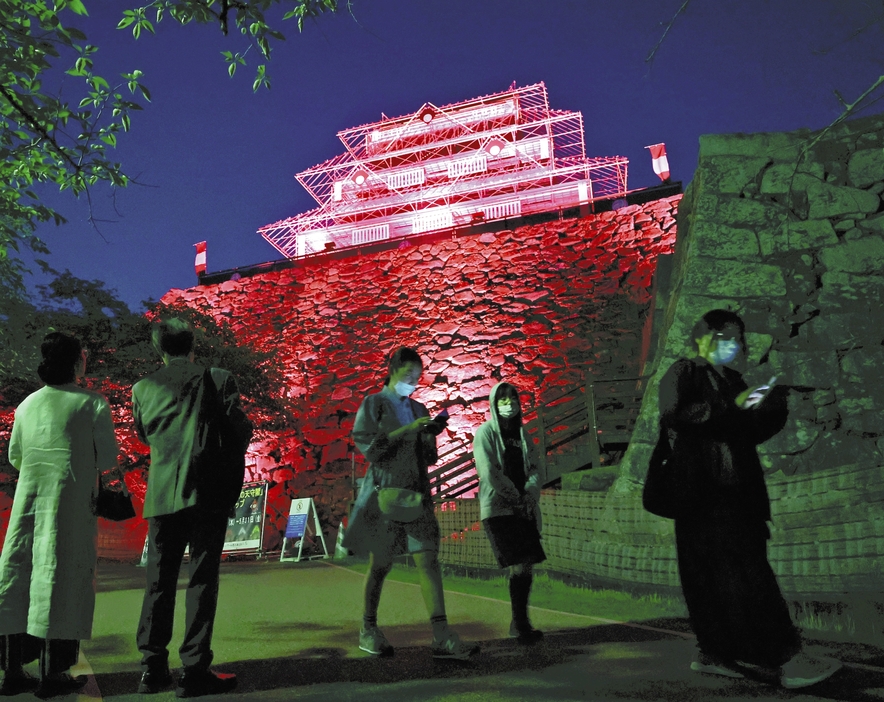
column 289, row 632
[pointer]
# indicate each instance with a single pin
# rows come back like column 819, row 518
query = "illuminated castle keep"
column 489, row 158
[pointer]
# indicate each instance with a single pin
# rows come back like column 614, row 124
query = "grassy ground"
column 551, row 594
column 857, row 621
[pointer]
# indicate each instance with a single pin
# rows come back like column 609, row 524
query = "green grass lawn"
column 552, row 594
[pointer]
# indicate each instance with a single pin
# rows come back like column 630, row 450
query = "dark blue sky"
column 217, row 161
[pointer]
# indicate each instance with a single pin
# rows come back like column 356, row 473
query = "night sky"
column 216, row 161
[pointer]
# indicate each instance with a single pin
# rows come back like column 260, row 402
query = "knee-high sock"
column 520, row 590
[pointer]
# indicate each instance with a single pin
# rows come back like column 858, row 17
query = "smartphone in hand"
column 757, row 396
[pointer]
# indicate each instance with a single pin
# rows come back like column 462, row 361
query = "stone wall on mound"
column 788, row 231
column 540, row 306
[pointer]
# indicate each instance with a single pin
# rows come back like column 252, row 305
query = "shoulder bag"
column 661, row 493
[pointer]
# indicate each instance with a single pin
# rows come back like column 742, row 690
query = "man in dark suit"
column 173, row 410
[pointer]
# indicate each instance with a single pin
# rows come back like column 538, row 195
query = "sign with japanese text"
column 245, row 529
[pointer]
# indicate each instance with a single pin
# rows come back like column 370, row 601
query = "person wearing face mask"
column 397, row 436
column 509, row 493
column 714, row 422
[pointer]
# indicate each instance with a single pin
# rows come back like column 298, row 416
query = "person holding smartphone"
column 509, row 494
column 734, row 602
column 397, row 436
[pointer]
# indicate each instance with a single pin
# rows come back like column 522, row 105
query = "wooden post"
column 592, row 425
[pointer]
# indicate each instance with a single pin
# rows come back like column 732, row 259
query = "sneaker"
column 153, row 681
column 525, row 633
column 715, row 666
column 373, row 641
column 804, row 671
column 452, row 647
column 195, row 683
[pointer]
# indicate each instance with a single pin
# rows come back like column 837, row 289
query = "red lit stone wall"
column 538, row 306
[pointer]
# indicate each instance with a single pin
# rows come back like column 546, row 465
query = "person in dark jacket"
column 509, row 500
column 171, row 412
column 715, row 423
column 396, row 434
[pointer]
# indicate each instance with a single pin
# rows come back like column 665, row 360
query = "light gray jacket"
column 497, row 493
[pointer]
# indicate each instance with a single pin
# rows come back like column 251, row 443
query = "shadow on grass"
column 331, row 664
column 312, row 666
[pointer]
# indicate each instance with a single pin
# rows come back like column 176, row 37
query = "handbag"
column 662, row 494
column 115, row 505
column 399, row 504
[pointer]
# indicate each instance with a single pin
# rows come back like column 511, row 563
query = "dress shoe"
column 60, row 684
column 153, row 681
column 18, row 683
column 204, row 682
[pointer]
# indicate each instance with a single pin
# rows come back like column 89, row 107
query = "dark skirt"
column 514, row 540
column 734, row 602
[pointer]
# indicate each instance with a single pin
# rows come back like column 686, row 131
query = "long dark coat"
column 714, row 451
column 734, row 602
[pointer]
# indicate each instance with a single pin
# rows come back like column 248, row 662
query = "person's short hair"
column 716, row 321
column 401, row 357
column 173, row 336
column 60, row 353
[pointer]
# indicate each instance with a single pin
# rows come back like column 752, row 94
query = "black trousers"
column 56, row 655
column 169, row 534
column 734, row 602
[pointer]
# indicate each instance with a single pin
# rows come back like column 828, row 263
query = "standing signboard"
column 245, row 529
column 299, row 527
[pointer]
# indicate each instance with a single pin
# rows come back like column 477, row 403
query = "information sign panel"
column 245, row 530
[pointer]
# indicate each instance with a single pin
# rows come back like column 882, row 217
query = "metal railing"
column 597, row 417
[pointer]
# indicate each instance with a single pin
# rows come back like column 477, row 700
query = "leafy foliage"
column 45, row 138
column 120, row 354
column 53, row 132
column 249, row 17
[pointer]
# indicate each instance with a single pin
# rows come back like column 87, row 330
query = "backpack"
column 222, row 464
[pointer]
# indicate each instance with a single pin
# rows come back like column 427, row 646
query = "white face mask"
column 404, row 389
column 725, row 351
column 507, row 411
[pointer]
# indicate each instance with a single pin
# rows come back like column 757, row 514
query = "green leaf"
column 231, row 69
column 77, row 6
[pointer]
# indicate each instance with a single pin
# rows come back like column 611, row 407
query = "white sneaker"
column 452, row 647
column 373, row 641
column 804, row 670
column 714, row 666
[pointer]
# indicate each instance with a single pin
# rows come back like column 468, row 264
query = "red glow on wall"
column 540, row 306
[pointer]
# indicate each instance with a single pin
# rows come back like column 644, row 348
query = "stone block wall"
column 540, row 306
column 788, row 231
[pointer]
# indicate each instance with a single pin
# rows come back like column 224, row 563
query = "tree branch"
column 849, row 109
column 653, row 53
column 36, row 126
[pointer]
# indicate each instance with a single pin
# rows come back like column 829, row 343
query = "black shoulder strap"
column 213, row 400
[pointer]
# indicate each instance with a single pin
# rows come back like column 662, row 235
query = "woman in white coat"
column 62, row 439
column 509, row 493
